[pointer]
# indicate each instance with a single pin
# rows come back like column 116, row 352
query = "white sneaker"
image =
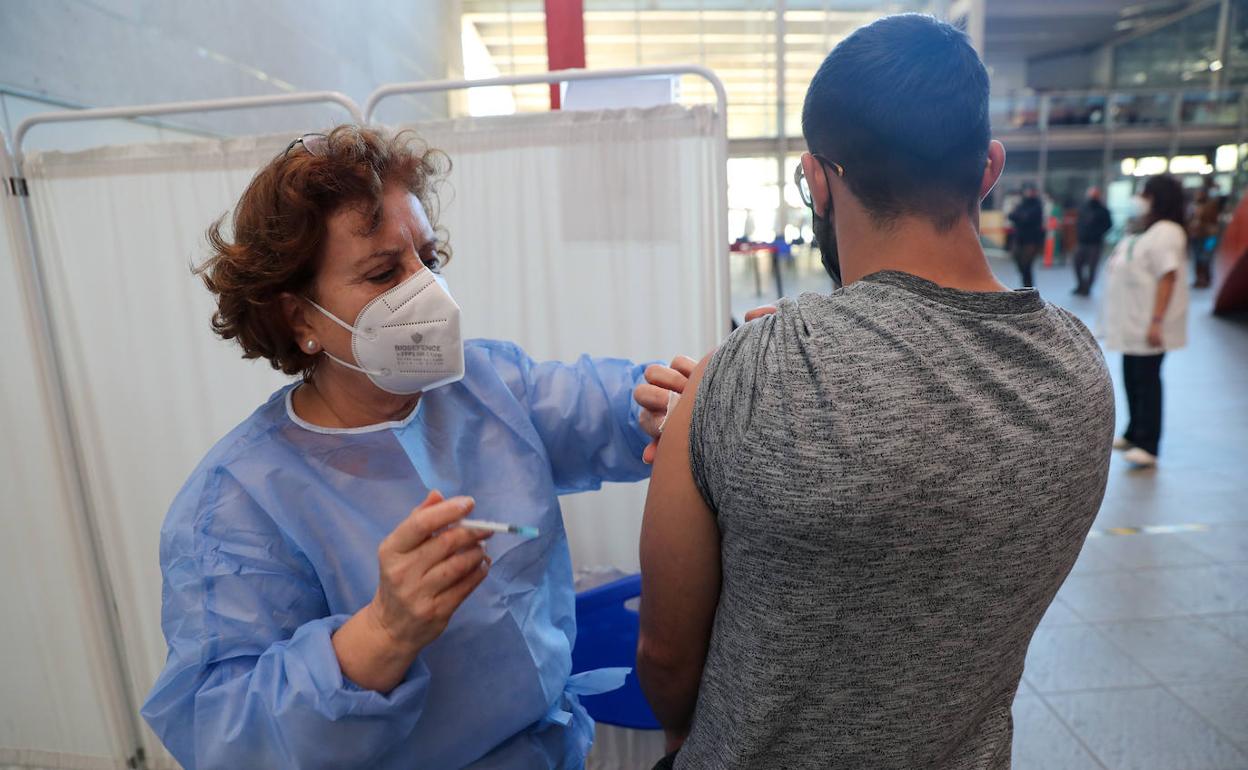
column 1140, row 458
column 1122, row 445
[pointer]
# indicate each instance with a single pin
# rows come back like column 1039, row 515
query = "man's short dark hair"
column 902, row 104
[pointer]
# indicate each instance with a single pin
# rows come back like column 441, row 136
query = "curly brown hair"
column 279, row 229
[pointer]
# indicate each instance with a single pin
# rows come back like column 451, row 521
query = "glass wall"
column 1013, row 112
column 1237, row 44
column 811, row 30
column 505, row 37
column 753, row 198
column 1078, row 110
column 1168, row 88
column 1183, row 53
column 1142, row 109
column 738, row 44
column 735, row 38
column 1070, row 173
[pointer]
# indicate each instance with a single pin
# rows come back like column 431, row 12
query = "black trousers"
column 1087, row 255
column 1142, row 377
column 1024, row 256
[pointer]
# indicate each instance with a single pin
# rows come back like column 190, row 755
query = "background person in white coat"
column 1146, row 310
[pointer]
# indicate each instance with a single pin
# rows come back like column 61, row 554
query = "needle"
column 494, row 526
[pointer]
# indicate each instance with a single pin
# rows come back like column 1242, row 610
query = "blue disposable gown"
column 272, row 545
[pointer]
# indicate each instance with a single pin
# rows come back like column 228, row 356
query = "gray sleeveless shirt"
column 903, row 476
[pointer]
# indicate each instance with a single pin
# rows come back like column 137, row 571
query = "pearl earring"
column 311, row 344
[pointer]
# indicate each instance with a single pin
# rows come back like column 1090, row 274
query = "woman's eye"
column 429, row 256
column 385, row 277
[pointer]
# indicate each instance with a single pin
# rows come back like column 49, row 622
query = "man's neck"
column 953, row 259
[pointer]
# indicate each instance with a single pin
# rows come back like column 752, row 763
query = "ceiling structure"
column 1030, row 29
column 738, row 41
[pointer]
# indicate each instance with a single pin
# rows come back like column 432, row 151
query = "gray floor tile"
column 1070, row 658
column 1206, row 506
column 1180, row 650
column 1119, row 596
column 1222, row 704
column 1227, row 544
column 1042, row 742
column 1234, row 626
column 1136, row 551
column 1059, row 614
column 1095, row 557
column 1138, row 507
column 1147, row 729
column 1218, row 588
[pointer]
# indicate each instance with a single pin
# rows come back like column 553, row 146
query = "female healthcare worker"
column 313, row 618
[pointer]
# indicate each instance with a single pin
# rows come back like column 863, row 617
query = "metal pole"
column 1107, row 156
column 565, row 40
column 1176, row 123
column 1241, row 118
column 1222, row 45
column 722, row 275
column 782, row 208
column 975, row 23
column 1042, row 162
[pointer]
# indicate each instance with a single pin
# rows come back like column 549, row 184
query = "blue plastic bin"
column 606, row 636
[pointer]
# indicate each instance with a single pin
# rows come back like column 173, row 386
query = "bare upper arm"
column 680, row 565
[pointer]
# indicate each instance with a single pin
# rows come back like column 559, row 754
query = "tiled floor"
column 1142, row 662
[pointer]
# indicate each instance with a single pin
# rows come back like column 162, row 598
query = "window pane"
column 1179, row 54
column 734, row 38
column 505, row 37
column 1237, row 67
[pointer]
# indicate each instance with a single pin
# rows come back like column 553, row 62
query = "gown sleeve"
column 586, row 417
column 251, row 679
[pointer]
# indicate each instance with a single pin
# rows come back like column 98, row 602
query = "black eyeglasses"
column 799, row 177
column 315, row 144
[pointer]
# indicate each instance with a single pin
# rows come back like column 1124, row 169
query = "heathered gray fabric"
column 903, row 476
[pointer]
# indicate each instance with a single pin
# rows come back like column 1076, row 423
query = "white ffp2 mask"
column 407, row 339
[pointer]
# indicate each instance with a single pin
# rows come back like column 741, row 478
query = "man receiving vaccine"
column 865, row 501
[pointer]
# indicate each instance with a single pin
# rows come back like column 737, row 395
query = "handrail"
column 1041, row 106
column 173, row 108
column 558, row 76
column 1121, row 90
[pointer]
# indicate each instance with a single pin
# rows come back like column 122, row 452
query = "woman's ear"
column 294, row 309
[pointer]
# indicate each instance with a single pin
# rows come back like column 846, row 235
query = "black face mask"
column 825, row 236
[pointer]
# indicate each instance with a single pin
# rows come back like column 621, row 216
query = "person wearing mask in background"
column 1145, row 313
column 324, row 605
column 1028, row 220
column 865, row 501
column 1202, row 232
column 1091, row 226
